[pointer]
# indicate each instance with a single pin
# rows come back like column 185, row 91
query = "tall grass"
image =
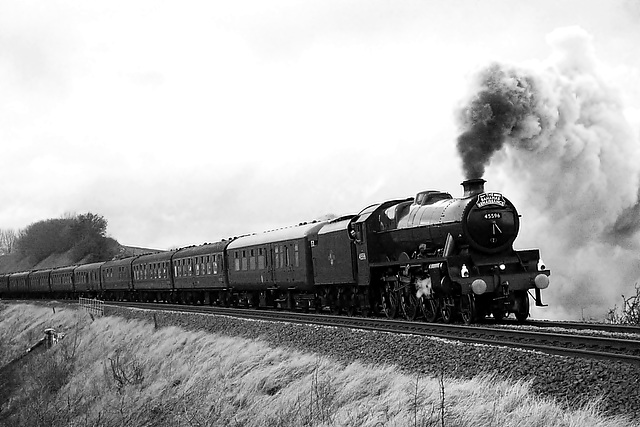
column 115, row 372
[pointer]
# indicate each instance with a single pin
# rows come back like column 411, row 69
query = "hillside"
column 114, row 371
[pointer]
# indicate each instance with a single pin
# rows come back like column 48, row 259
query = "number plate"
column 492, row 215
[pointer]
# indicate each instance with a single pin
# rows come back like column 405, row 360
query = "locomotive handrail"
column 412, row 262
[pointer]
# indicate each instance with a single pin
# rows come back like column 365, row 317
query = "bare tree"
column 8, row 239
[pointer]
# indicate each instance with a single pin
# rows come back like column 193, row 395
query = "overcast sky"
column 183, row 122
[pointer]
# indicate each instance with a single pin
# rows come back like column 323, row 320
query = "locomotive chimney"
column 473, row 186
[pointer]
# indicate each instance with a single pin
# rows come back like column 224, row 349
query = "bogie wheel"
column 351, row 304
column 335, row 307
column 468, row 309
column 498, row 314
column 522, row 313
column 335, row 303
column 389, row 303
column 429, row 309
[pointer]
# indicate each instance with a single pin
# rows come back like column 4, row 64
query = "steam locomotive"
column 431, row 256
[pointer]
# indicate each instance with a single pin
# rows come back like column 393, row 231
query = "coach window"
column 296, row 255
column 252, row 259
column 236, row 260
column 286, row 256
column 260, row 259
column 277, row 256
column 245, row 265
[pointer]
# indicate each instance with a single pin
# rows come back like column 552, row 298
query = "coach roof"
column 280, row 235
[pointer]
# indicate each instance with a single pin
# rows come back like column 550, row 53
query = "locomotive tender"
column 431, row 256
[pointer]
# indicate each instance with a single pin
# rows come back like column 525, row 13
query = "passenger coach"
column 274, row 269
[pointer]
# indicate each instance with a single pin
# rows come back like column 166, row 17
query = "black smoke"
column 497, row 112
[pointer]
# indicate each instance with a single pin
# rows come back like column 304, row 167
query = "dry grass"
column 127, row 373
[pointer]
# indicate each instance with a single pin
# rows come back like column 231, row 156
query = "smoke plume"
column 501, row 110
column 554, row 138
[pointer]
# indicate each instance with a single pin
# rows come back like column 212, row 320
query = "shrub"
column 629, row 314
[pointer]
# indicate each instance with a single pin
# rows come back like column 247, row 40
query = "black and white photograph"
column 320, row 213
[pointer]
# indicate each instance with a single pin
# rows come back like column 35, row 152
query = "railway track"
column 570, row 342
column 576, row 326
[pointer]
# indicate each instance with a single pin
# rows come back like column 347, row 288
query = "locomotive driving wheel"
column 447, row 310
column 468, row 309
column 389, row 299
column 429, row 308
column 409, row 304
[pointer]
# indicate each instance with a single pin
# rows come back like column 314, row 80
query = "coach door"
column 290, row 263
column 264, row 264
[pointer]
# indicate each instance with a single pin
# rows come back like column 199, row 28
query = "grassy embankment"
column 113, row 372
